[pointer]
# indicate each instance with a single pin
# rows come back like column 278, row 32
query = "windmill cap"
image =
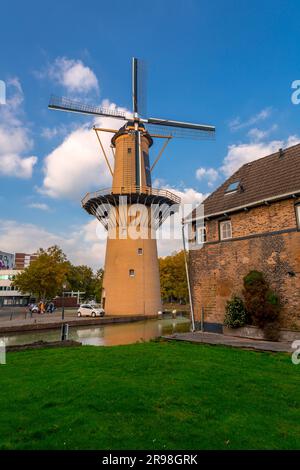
column 125, row 130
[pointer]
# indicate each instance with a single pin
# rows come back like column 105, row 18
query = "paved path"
column 233, row 341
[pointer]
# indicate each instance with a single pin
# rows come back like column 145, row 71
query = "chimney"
column 281, row 153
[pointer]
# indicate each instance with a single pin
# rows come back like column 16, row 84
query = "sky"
column 226, row 63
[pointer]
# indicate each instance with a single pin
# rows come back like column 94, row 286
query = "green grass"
column 149, row 396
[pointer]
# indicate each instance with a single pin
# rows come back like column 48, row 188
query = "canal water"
column 106, row 335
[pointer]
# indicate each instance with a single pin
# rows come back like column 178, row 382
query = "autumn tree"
column 173, row 278
column 45, row 276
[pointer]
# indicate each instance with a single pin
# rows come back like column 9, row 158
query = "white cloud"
column 209, row 174
column 82, row 245
column 39, row 205
column 72, row 74
column 169, row 237
column 236, row 124
column 259, row 134
column 240, row 154
column 14, row 135
column 77, row 165
column 57, row 131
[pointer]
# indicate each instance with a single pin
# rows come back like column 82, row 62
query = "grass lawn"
column 149, row 396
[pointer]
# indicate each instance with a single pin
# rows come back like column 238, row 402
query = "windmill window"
column 225, row 230
column 140, row 251
column 129, row 149
column 131, row 273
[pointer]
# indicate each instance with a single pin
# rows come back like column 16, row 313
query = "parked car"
column 33, row 308
column 89, row 310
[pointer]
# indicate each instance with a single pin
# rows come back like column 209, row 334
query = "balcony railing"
column 124, row 190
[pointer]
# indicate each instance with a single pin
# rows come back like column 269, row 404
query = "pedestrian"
column 42, row 307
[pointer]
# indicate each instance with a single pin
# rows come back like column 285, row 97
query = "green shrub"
column 235, row 314
column 262, row 304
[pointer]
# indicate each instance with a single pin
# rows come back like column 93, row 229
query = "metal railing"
column 124, row 190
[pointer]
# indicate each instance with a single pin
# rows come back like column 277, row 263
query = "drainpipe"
column 188, row 278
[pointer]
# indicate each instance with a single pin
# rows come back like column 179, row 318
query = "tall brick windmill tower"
column 131, row 210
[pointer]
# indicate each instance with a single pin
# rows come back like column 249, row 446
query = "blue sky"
column 227, row 63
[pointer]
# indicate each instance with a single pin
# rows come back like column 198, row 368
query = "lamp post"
column 188, row 279
column 63, row 302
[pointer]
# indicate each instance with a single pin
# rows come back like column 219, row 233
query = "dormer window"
column 232, row 187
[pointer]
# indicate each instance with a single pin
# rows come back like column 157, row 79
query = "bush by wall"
column 235, row 314
column 262, row 304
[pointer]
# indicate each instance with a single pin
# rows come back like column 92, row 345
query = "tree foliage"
column 45, row 276
column 173, row 278
column 82, row 278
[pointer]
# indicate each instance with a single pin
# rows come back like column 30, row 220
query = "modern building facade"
column 10, row 265
column 251, row 222
column 9, row 295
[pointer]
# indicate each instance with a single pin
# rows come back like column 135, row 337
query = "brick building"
column 23, row 260
column 252, row 221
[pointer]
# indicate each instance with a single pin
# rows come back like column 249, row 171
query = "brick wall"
column 218, row 268
column 277, row 216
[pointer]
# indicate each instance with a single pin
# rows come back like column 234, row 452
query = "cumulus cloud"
column 72, row 74
column 259, row 134
column 211, row 175
column 15, row 138
column 236, row 124
column 240, row 154
column 169, row 236
column 77, row 165
column 57, row 131
column 83, row 244
column 39, row 205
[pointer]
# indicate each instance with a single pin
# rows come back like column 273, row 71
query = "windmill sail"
column 65, row 104
column 139, row 86
column 179, row 128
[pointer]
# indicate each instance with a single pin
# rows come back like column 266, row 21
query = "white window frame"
column 297, row 207
column 227, row 232
column 201, row 235
column 131, row 272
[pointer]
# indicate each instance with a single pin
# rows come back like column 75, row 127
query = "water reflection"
column 107, row 335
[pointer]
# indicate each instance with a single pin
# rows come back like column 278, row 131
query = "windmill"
column 131, row 275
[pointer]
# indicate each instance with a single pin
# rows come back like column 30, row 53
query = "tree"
column 82, row 278
column 98, row 281
column 45, row 276
column 173, row 278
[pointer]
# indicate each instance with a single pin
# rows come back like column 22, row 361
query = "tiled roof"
column 267, row 177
